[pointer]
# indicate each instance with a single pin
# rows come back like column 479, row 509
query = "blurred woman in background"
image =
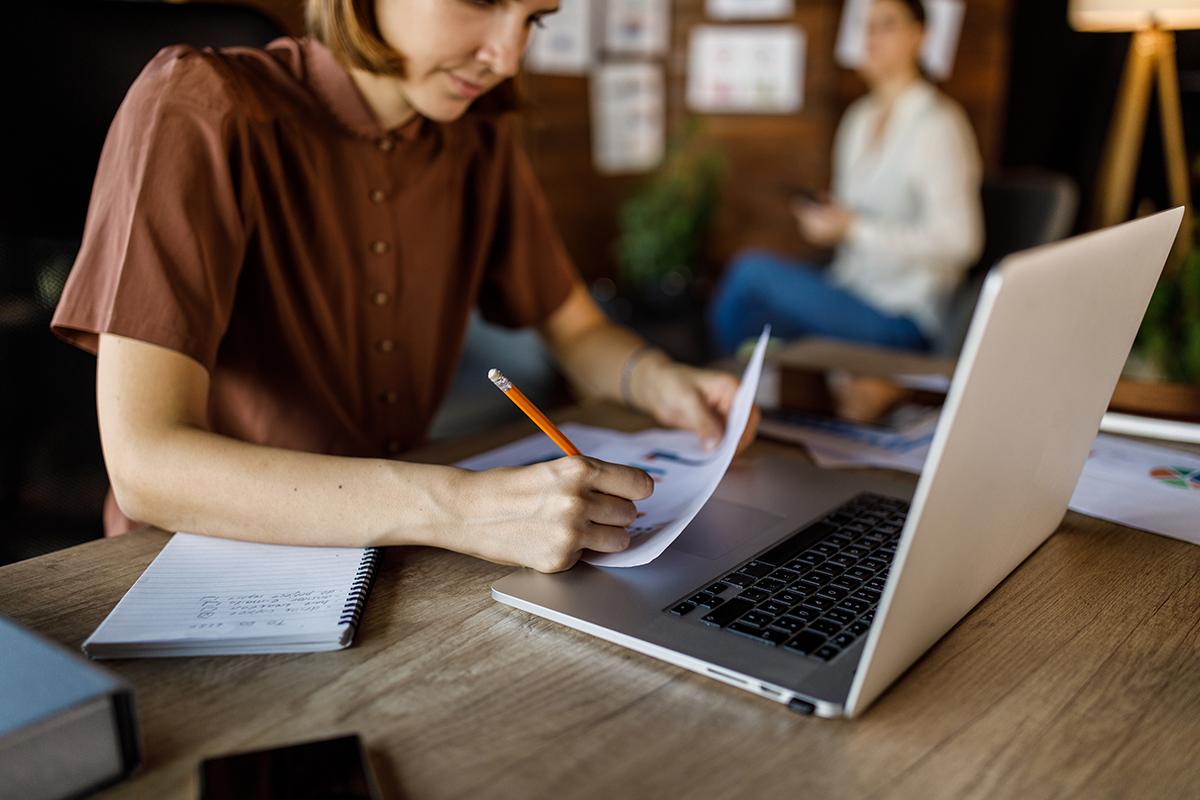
column 905, row 215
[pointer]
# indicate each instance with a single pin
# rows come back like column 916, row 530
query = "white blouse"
column 915, row 193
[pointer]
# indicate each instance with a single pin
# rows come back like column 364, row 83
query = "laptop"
column 816, row 588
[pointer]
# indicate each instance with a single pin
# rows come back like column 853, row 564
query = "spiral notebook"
column 204, row 596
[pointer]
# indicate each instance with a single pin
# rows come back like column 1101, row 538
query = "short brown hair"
column 351, row 32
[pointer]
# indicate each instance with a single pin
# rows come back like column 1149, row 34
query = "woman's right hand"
column 544, row 516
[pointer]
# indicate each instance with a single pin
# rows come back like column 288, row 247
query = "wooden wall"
column 766, row 153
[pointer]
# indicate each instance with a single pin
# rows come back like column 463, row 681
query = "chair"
column 1020, row 210
column 69, row 64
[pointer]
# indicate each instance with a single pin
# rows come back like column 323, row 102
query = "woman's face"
column 893, row 41
column 456, row 50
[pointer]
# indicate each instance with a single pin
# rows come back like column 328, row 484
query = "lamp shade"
column 1132, row 15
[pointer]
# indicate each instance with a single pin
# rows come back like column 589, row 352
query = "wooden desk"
column 1078, row 676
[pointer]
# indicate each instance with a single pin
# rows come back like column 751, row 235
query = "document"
column 834, row 443
column 563, row 45
column 637, row 27
column 628, row 117
column 749, row 9
column 685, row 476
column 1143, row 486
column 748, row 69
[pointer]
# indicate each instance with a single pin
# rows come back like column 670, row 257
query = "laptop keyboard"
column 815, row 593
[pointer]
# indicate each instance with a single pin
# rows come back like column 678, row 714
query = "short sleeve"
column 529, row 273
column 164, row 240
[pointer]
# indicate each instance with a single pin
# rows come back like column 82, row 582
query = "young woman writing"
column 279, row 261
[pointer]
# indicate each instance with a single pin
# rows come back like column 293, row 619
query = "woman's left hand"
column 823, row 224
column 681, row 396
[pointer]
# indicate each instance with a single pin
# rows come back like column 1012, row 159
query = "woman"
column 279, row 260
column 905, row 216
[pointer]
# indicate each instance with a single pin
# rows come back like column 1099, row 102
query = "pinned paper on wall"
column 627, row 117
column 943, row 25
column 749, row 9
column 637, row 27
column 563, row 43
column 751, row 69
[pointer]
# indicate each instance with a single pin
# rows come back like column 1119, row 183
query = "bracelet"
column 631, row 363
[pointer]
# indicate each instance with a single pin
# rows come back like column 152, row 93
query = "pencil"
column 531, row 411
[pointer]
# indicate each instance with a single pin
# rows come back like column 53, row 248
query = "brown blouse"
column 250, row 213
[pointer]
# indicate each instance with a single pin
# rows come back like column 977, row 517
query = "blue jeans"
column 760, row 287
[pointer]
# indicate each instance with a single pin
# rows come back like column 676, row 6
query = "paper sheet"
column 627, row 117
column 943, row 24
column 1152, row 488
column 563, row 45
column 637, row 27
column 837, row 444
column 749, row 9
column 684, row 475
column 751, row 69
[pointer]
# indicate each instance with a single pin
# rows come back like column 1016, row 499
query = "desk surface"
column 1078, row 676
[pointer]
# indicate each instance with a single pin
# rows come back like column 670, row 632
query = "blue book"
column 67, row 727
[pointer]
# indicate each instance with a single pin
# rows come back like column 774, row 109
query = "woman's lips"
column 466, row 89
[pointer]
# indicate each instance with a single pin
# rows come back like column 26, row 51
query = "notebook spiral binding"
column 356, row 601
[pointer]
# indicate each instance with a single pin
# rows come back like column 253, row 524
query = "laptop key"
column 857, row 551
column 840, row 616
column 819, row 603
column 834, row 592
column 812, row 558
column 805, row 615
column 740, row 579
column 847, row 583
column 785, row 575
column 704, row 600
column 826, row 653
column 770, row 585
column 775, row 607
column 717, row 588
column 860, row 573
column 824, row 548
column 727, row 612
column 767, row 636
column 754, row 595
column 683, row 608
column 757, row 619
column 877, row 583
column 825, row 626
column 788, row 624
column 789, row 548
column 808, row 586
column 758, row 569
column 854, row 605
column 843, row 560
column 791, row 597
column 805, row 642
column 859, row 628
column 843, row 640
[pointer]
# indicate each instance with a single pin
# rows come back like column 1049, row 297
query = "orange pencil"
column 531, row 411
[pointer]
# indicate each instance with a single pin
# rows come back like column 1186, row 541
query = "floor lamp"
column 1151, row 57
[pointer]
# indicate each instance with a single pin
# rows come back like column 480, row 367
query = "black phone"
column 323, row 770
column 798, row 194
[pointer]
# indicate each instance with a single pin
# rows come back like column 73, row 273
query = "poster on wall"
column 943, row 24
column 627, row 117
column 562, row 45
column 749, row 9
column 746, row 69
column 637, row 27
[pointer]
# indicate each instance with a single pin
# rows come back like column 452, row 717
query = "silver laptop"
column 818, row 589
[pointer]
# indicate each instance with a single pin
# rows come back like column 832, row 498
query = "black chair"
column 68, row 64
column 1020, row 210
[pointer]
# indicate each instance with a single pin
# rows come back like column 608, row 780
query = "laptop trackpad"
column 720, row 526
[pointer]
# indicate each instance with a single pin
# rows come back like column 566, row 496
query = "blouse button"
column 379, row 248
column 386, row 345
column 391, row 398
column 377, row 195
column 385, row 145
column 392, row 446
column 380, row 298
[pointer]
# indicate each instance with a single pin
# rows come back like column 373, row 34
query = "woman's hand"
column 544, row 516
column 681, row 396
column 823, row 224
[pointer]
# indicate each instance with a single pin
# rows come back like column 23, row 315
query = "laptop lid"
column 1046, row 345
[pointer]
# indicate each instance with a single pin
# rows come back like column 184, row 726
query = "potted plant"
column 664, row 224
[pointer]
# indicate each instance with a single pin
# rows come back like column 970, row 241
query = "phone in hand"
column 322, row 770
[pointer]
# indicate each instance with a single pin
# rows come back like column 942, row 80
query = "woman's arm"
column 168, row 469
column 593, row 352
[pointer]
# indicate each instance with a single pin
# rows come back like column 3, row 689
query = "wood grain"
column 1079, row 676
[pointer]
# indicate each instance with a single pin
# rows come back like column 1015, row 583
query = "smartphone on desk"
column 323, row 770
